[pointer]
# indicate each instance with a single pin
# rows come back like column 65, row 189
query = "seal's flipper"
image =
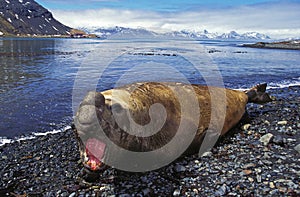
column 258, row 94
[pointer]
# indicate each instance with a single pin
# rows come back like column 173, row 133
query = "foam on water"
column 278, row 85
column 32, row 136
column 285, row 83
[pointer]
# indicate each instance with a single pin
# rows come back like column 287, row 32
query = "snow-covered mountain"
column 119, row 32
column 248, row 35
column 27, row 17
column 123, row 32
column 207, row 35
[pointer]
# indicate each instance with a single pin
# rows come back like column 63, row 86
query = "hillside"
column 27, row 17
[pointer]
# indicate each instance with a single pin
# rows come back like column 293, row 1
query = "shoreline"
column 284, row 45
column 240, row 164
column 5, row 140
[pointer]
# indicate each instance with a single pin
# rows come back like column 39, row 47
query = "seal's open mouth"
column 94, row 150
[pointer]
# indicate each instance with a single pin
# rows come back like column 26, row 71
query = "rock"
column 278, row 140
column 146, row 192
column 195, row 191
column 245, row 127
column 221, row 191
column 124, row 195
column 297, row 148
column 72, row 194
column 176, row 192
column 249, row 165
column 258, row 178
column 283, row 122
column 290, row 140
column 271, row 184
column 4, row 157
column 207, row 154
column 267, row 162
column 179, row 168
column 265, row 139
column 247, row 172
column 291, row 44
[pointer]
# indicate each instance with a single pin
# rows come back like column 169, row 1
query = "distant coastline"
column 74, row 33
column 290, row 45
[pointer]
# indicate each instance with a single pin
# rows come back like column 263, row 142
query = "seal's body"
column 143, row 117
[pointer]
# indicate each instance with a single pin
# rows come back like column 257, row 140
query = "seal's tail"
column 258, row 94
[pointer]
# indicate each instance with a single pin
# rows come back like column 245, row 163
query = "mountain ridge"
column 28, row 18
column 105, row 33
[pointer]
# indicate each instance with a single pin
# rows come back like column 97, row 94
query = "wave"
column 284, row 83
column 276, row 85
column 4, row 140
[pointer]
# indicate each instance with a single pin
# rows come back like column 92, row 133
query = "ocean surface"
column 43, row 80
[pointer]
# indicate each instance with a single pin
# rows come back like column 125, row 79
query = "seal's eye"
column 117, row 108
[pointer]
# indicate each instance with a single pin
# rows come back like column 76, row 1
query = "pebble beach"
column 259, row 157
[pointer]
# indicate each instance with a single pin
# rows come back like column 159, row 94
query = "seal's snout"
column 87, row 114
column 87, row 122
column 91, row 108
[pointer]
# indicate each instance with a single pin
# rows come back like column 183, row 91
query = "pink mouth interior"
column 95, row 152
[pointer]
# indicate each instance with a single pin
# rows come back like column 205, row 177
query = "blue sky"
column 277, row 18
column 154, row 5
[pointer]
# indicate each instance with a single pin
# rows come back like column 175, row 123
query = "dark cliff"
column 27, row 17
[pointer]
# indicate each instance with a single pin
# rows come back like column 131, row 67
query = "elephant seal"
column 110, row 112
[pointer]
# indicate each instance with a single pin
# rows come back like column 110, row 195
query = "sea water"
column 39, row 77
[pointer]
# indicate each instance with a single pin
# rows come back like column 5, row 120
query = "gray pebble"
column 72, row 194
column 297, row 148
column 278, row 140
column 179, row 168
column 221, row 191
column 124, row 195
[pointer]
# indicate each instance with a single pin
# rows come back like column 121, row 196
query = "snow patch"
column 17, row 16
column 9, row 20
column 1, row 33
column 21, row 1
column 7, row 1
column 54, row 28
column 29, row 11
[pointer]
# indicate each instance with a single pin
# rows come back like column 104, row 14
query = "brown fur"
column 139, row 97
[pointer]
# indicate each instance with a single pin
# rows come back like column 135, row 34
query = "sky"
column 276, row 18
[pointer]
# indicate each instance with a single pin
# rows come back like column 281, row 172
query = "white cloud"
column 279, row 20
